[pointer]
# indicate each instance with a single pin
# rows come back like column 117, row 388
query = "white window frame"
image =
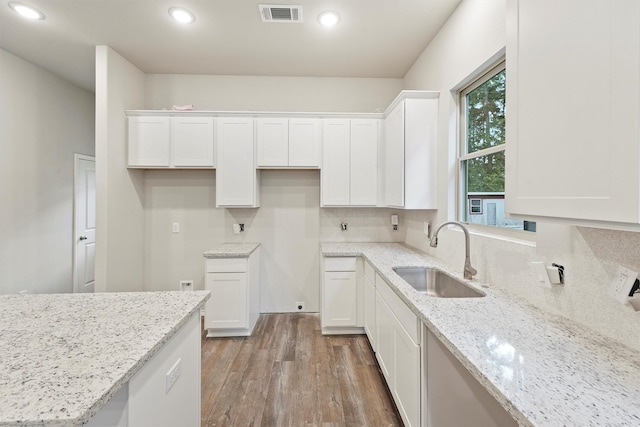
column 462, row 205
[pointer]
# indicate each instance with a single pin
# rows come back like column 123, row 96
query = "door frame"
column 76, row 159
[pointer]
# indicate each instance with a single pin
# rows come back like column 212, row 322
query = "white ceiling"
column 375, row 38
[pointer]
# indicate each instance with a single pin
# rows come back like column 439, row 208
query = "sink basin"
column 436, row 283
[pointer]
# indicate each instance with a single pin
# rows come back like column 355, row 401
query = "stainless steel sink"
column 436, row 283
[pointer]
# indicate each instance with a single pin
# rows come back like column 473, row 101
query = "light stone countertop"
column 543, row 369
column 232, row 250
column 63, row 356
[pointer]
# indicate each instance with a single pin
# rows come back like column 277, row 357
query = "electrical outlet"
column 176, row 227
column 425, row 228
column 622, row 283
column 344, row 226
column 186, row 285
column 300, row 306
column 173, row 374
column 540, row 271
column 238, row 228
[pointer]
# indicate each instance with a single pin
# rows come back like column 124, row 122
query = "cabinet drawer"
column 369, row 272
column 405, row 316
column 226, row 265
column 340, row 264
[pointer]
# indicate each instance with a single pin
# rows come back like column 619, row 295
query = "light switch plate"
column 622, row 283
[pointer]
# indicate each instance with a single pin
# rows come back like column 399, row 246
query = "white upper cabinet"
column 293, row 142
column 171, row 142
column 273, row 142
column 192, row 141
column 149, row 141
column 336, row 162
column 363, row 176
column 305, row 138
column 236, row 176
column 410, row 141
column 350, row 162
column 573, row 94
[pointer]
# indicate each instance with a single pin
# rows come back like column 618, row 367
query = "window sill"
column 524, row 238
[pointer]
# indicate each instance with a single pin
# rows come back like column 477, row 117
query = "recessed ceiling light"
column 182, row 15
column 26, row 11
column 329, row 18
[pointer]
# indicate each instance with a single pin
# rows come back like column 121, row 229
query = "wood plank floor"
column 288, row 374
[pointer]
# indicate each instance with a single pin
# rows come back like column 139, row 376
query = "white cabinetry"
column 288, row 142
column 192, row 141
column 398, row 338
column 573, row 90
column 171, row 142
column 149, row 141
column 370, row 305
column 234, row 306
column 410, row 151
column 453, row 396
column 350, row 162
column 341, row 302
column 145, row 400
column 237, row 181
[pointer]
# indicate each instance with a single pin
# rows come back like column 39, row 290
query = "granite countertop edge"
column 231, row 250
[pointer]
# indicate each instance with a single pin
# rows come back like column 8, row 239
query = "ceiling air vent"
column 280, row 12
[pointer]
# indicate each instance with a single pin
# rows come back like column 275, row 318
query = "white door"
column 84, row 223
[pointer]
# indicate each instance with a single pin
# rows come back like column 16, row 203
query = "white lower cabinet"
column 147, row 401
column 399, row 352
column 233, row 308
column 453, row 397
column 341, row 296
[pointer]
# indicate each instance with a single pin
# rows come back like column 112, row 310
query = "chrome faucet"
column 469, row 271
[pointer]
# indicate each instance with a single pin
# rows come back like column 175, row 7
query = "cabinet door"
column 227, row 308
column 339, row 299
column 385, row 338
column 235, row 174
column 394, row 157
column 406, row 383
column 364, row 162
column 573, row 85
column 335, row 162
column 305, row 139
column 272, row 139
column 192, row 141
column 370, row 312
column 149, row 141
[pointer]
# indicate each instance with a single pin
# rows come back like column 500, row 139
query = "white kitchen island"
column 117, row 359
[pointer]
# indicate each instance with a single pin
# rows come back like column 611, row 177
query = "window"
column 482, row 152
column 475, row 206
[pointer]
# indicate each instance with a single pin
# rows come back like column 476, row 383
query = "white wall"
column 119, row 191
column 473, row 35
column 289, row 223
column 44, row 120
column 264, row 93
